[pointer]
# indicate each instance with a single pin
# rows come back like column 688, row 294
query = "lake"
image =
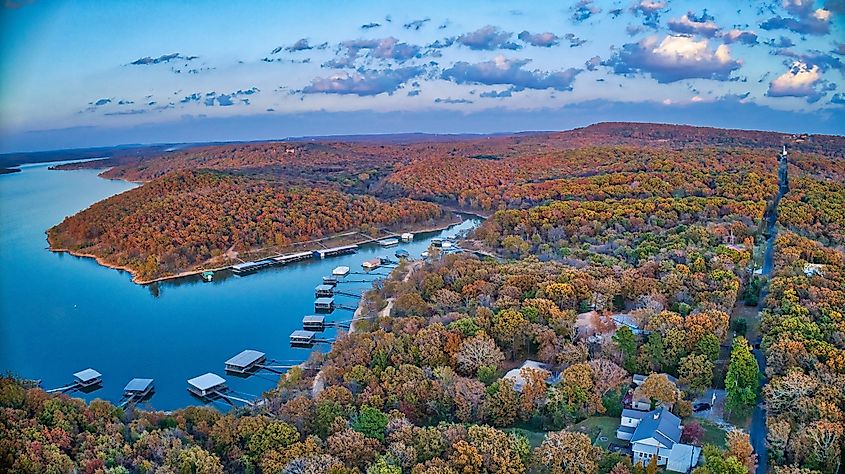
column 60, row 314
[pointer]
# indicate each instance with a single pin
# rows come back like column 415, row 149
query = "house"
column 657, row 434
column 623, row 319
column 640, row 402
column 813, row 269
column 515, row 375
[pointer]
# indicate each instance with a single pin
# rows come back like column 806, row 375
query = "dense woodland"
column 661, row 223
column 187, row 219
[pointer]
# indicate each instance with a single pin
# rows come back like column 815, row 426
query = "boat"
column 407, row 237
column 207, row 275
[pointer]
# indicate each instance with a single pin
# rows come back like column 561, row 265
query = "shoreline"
column 187, row 273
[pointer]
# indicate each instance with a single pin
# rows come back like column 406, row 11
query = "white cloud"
column 799, row 81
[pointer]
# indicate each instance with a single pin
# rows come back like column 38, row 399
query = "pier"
column 324, row 304
column 249, row 267
column 306, row 339
column 210, row 386
column 388, row 242
column 135, row 391
column 245, row 361
column 318, row 323
column 331, row 252
column 87, row 380
column 294, row 257
column 324, row 290
column 340, row 271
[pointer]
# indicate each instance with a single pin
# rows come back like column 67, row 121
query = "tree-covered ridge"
column 587, row 173
column 803, row 333
column 815, row 208
column 187, row 218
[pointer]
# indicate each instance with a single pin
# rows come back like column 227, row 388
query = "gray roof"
column 683, row 457
column 324, row 300
column 636, row 414
column 138, row 385
column 207, row 381
column 626, row 429
column 87, row 374
column 245, row 358
column 302, row 334
column 324, row 288
column 314, row 318
column 661, row 425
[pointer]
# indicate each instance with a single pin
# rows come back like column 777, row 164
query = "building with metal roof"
column 245, row 361
column 206, row 384
column 88, row 377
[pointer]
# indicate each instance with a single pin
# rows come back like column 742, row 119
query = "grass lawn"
column 535, row 438
column 597, row 427
column 712, row 434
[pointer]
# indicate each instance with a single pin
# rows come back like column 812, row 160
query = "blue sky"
column 75, row 74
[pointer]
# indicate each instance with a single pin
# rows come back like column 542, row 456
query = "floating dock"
column 314, row 322
column 246, row 361
column 249, row 267
column 293, row 257
column 324, row 304
column 206, row 385
column 330, row 252
column 88, row 378
column 136, row 390
column 85, row 380
column 340, row 271
column 371, row 264
column 330, row 280
column 388, row 242
column 302, row 338
column 324, row 290
column 407, row 237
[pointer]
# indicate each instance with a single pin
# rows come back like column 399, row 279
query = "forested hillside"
column 188, row 219
column 660, row 225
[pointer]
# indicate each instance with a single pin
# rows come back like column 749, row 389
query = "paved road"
column 758, row 430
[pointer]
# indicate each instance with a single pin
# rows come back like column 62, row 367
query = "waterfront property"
column 245, row 361
column 324, row 290
column 138, row 388
column 388, row 242
column 206, row 385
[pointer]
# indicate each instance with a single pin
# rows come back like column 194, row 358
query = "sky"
column 84, row 73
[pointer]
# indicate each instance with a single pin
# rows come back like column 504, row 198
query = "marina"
column 171, row 341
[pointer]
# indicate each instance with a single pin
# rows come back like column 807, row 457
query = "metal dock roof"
column 245, row 358
column 324, row 301
column 340, row 271
column 87, row 375
column 314, row 318
column 302, row 334
column 138, row 385
column 206, row 381
column 324, row 287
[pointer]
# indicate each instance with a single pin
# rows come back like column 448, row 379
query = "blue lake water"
column 60, row 314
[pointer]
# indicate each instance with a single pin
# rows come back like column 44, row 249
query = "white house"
column 515, row 375
column 657, row 434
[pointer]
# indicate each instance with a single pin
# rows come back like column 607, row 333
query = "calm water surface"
column 60, row 314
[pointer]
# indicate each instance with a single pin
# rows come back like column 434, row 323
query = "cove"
column 60, row 314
